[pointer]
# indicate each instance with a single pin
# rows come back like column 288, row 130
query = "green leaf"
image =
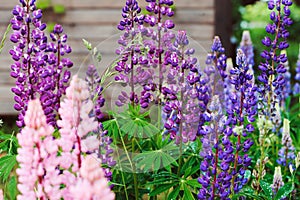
column 284, row 191
column 174, row 194
column 153, row 159
column 7, row 164
column 267, row 189
column 193, row 183
column 187, row 193
column 12, row 187
column 161, row 188
column 59, row 9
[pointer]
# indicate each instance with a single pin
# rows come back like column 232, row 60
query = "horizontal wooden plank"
column 112, row 17
column 95, row 4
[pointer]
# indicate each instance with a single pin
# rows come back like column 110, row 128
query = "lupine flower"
column 105, row 151
column 92, row 183
column 277, row 180
column 243, row 107
column 271, row 77
column 247, row 47
column 287, row 89
column 129, row 50
column 38, row 67
column 76, row 123
column 287, row 151
column 182, row 111
column 37, row 156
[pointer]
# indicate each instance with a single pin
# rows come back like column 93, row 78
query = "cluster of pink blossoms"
column 54, row 167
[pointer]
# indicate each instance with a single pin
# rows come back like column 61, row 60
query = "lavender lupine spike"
column 161, row 38
column 105, row 151
column 37, row 71
column 287, row 151
column 271, row 77
column 128, row 51
column 181, row 110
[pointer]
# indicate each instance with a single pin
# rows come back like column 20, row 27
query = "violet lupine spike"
column 243, row 107
column 215, row 177
column 129, row 50
column 37, row 69
column 271, row 78
column 56, row 75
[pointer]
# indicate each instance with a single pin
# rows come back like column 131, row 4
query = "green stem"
column 136, row 189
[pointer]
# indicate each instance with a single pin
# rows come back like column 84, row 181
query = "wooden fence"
column 96, row 20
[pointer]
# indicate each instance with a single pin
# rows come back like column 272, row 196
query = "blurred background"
column 96, row 21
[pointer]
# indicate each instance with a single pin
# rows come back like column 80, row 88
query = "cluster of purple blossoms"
column 141, row 51
column 39, row 68
column 223, row 168
column 181, row 104
column 272, row 69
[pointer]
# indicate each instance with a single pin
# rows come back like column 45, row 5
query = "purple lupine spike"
column 182, row 111
column 272, row 78
column 38, row 69
column 243, row 107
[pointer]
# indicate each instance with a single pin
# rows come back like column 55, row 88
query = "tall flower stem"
column 238, row 144
column 135, row 182
column 159, row 58
column 215, row 167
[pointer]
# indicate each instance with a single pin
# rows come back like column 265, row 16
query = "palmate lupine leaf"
column 7, row 163
column 154, row 160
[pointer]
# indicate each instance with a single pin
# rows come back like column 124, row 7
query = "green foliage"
column 7, row 163
column 284, row 191
column 267, row 189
